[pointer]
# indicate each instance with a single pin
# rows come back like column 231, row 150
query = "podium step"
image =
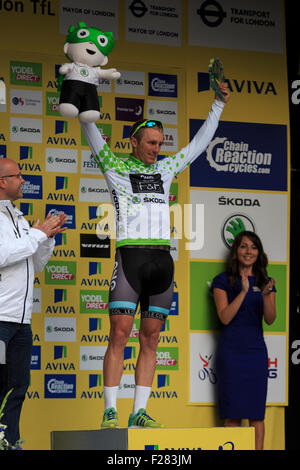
column 241, row 438
column 101, row 439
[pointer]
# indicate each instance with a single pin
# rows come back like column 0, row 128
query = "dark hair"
column 260, row 265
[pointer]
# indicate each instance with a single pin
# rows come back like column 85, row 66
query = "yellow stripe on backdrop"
column 31, row 34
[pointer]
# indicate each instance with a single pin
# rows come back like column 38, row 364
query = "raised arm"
column 203, row 137
column 268, row 294
column 93, row 137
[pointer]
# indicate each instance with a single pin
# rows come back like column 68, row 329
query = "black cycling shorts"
column 82, row 95
column 142, row 275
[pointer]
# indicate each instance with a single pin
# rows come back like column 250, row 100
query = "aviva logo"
column 129, row 356
column 60, row 295
column 60, row 239
column 26, row 208
column 60, row 352
column 94, row 212
column 3, row 151
column 61, row 182
column 95, row 380
column 25, row 152
column 61, row 127
column 163, row 380
column 129, row 352
column 94, row 268
column 166, row 326
column 93, row 392
column 94, row 324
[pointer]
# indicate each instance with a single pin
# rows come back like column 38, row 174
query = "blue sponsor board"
column 3, row 151
column 61, row 127
column 25, row 152
column 33, row 187
column 35, row 358
column 59, row 295
column 93, row 212
column 161, row 84
column 129, row 352
column 59, row 352
column 126, row 132
column 242, row 156
column 162, row 380
column 55, row 209
column 174, row 306
column 56, row 70
column 203, row 81
column 60, row 385
column 26, row 208
column 60, row 239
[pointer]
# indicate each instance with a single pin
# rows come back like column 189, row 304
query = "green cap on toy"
column 104, row 41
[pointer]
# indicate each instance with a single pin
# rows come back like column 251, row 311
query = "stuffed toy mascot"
column 87, row 49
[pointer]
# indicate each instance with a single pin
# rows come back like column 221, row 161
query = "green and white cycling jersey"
column 140, row 192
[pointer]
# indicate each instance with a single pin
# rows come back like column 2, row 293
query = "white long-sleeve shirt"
column 140, row 192
column 24, row 251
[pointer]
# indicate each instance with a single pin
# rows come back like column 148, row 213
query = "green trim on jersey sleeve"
column 143, row 241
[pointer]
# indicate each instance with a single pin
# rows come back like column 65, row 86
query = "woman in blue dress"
column 244, row 296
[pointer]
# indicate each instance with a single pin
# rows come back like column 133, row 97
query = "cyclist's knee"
column 120, row 329
column 149, row 337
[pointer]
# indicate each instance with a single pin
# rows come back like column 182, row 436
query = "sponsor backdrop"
column 163, row 48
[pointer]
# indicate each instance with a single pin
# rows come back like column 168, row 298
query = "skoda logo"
column 233, row 225
column 84, row 72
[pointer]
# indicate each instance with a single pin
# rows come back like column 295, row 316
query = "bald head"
column 10, row 180
column 6, row 165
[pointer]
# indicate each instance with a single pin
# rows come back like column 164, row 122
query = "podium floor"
column 241, row 438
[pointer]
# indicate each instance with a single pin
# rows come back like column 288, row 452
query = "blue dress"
column 242, row 358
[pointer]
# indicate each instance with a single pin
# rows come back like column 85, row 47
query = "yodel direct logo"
column 25, row 73
column 60, row 272
column 92, row 301
column 167, row 359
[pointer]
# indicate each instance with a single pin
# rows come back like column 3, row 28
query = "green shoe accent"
column 110, row 419
column 142, row 420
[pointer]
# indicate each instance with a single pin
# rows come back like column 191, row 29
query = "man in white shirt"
column 24, row 251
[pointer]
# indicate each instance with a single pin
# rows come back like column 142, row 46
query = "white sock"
column 140, row 398
column 110, row 397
